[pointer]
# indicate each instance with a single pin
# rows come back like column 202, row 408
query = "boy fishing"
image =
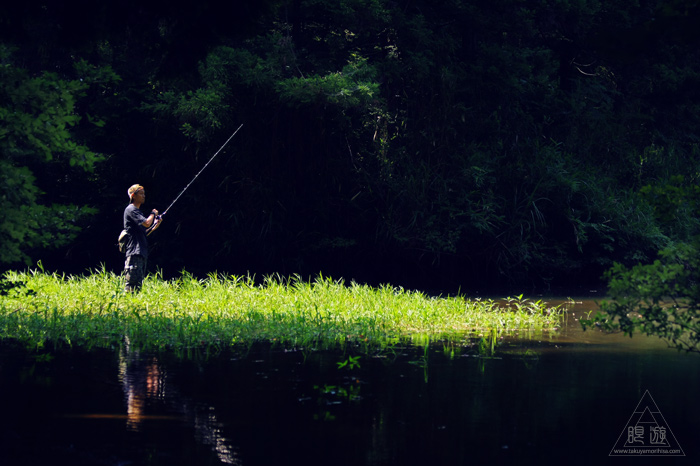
column 136, row 224
column 137, row 227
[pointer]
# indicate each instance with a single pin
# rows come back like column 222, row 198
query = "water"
column 565, row 399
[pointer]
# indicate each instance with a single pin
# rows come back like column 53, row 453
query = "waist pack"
column 123, row 239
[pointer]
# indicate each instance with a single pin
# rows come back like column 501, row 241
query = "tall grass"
column 219, row 312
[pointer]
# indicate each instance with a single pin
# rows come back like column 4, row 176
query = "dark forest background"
column 437, row 144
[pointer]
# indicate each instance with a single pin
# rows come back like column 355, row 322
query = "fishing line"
column 159, row 217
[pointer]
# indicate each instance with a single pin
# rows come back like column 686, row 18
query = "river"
column 570, row 398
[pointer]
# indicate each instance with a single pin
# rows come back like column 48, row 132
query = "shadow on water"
column 563, row 398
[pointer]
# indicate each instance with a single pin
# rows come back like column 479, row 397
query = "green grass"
column 189, row 315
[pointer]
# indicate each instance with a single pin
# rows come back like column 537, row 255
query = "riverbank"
column 189, row 315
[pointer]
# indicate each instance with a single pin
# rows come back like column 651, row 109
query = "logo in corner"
column 647, row 433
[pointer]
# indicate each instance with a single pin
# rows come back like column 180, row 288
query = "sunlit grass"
column 220, row 312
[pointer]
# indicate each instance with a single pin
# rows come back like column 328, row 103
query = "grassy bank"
column 217, row 313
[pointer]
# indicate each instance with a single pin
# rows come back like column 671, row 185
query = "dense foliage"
column 463, row 143
column 662, row 299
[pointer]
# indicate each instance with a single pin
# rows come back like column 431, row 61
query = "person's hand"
column 154, row 212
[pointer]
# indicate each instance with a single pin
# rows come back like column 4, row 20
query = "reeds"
column 221, row 312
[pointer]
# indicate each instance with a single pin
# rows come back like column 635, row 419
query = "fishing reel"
column 156, row 224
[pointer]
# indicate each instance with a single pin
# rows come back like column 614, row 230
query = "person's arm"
column 149, row 221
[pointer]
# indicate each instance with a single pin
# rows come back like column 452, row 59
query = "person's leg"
column 134, row 272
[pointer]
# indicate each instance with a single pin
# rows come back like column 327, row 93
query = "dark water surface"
column 563, row 399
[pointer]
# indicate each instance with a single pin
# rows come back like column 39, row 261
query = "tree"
column 662, row 299
column 466, row 139
column 39, row 158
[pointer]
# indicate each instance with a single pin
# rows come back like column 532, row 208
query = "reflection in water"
column 562, row 397
column 143, row 380
column 210, row 432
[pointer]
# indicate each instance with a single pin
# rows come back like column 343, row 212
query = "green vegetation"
column 189, row 315
column 38, row 121
column 662, row 299
column 518, row 143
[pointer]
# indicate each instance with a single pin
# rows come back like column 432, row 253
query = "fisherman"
column 136, row 223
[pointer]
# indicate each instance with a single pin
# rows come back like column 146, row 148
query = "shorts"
column 134, row 272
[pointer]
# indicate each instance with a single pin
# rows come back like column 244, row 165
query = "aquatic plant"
column 350, row 363
column 190, row 315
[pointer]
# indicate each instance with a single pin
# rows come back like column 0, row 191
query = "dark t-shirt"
column 137, row 244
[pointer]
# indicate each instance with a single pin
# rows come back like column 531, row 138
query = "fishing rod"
column 158, row 219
